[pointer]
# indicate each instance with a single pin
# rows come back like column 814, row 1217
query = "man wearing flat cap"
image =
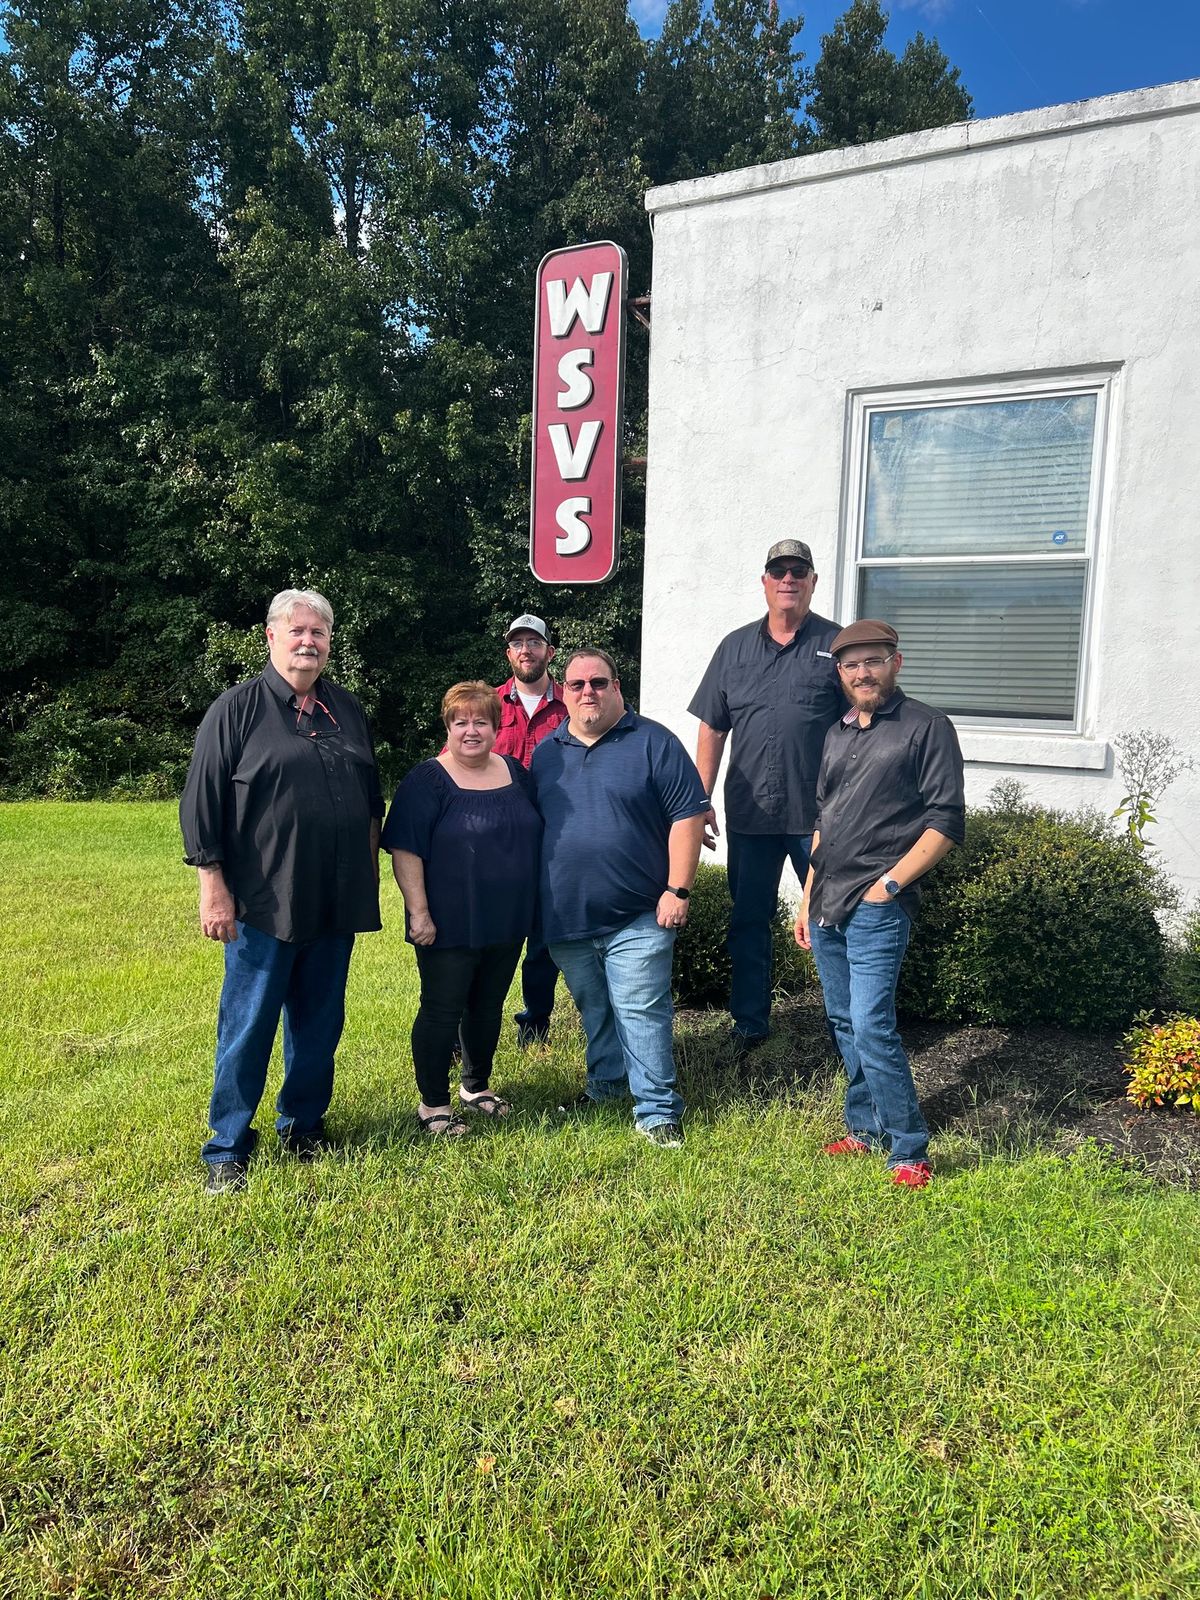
column 890, row 806
column 774, row 686
column 531, row 707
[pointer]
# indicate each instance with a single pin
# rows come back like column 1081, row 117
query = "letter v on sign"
column 578, row 401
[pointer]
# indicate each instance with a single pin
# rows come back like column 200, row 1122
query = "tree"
column 723, row 83
column 861, row 92
column 266, row 314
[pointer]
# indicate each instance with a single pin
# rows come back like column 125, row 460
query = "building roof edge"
column 1076, row 116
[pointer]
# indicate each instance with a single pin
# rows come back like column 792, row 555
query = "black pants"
column 539, row 976
column 459, row 988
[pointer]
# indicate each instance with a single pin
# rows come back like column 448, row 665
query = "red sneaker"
column 914, row 1175
column 849, row 1146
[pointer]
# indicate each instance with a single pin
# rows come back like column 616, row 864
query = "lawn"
column 552, row 1361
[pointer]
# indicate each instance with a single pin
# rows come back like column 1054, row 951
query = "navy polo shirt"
column 608, row 809
column 780, row 700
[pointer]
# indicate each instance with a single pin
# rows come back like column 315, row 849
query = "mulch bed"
column 1010, row 1088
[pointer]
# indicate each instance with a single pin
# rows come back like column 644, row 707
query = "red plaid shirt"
column 519, row 733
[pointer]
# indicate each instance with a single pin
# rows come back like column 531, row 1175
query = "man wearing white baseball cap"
column 531, row 707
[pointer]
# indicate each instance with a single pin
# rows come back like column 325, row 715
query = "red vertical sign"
column 578, row 400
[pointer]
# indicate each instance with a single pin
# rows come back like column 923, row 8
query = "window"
column 974, row 533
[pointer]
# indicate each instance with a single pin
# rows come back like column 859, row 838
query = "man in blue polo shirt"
column 624, row 812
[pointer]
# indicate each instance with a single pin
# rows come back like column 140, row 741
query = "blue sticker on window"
column 1059, row 536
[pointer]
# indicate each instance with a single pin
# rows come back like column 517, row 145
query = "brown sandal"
column 442, row 1125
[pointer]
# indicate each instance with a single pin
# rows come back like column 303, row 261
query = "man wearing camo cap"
column 774, row 686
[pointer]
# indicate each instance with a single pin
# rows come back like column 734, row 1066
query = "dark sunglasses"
column 787, row 571
column 578, row 685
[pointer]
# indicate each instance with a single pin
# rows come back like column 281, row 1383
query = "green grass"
column 552, row 1361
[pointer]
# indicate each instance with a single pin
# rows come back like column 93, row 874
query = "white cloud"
column 931, row 10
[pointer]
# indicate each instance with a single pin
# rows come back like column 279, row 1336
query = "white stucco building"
column 964, row 365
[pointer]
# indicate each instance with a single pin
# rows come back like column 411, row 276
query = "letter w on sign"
column 578, row 403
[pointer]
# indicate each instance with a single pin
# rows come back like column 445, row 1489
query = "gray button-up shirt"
column 880, row 787
column 779, row 700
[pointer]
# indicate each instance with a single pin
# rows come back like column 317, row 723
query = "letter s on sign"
column 580, row 387
column 576, row 535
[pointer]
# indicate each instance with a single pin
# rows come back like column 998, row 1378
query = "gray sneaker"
column 666, row 1135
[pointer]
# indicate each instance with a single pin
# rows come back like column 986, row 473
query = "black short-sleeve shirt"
column 283, row 802
column 779, row 701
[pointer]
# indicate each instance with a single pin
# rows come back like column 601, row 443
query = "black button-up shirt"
column 880, row 787
column 779, row 700
column 283, row 801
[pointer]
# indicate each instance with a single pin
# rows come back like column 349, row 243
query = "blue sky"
column 1015, row 54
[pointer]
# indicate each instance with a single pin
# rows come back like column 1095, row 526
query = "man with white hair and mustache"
column 281, row 816
column 889, row 807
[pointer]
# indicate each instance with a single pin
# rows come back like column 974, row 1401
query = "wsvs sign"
column 578, row 399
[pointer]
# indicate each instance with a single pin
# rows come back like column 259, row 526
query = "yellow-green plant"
column 1164, row 1062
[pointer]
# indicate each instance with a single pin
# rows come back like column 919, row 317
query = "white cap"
column 527, row 624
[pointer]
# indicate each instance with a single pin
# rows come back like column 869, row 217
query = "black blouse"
column 480, row 848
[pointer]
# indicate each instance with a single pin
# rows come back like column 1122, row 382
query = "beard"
column 529, row 674
column 870, row 697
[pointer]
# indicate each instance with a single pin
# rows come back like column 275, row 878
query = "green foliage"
column 67, row 751
column 1149, row 763
column 723, row 83
column 1183, row 964
column 265, row 320
column 1164, row 1062
column 702, row 970
column 861, row 91
column 1039, row 917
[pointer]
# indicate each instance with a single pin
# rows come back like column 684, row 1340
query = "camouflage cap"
column 789, row 550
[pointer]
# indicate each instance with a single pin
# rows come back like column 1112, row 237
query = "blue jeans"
column 539, row 977
column 859, row 965
column 264, row 976
column 621, row 983
column 755, row 867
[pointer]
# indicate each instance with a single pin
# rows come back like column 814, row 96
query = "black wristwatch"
column 680, row 894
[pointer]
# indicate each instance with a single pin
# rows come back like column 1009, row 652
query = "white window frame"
column 863, row 403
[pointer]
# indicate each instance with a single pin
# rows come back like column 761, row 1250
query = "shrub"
column 72, row 751
column 702, row 973
column 1164, row 1062
column 1183, row 965
column 1040, row 917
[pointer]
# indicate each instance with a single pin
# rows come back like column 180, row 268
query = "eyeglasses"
column 578, row 685
column 787, row 572
column 310, row 712
column 872, row 663
column 530, row 642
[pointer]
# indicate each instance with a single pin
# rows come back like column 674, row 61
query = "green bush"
column 69, row 750
column 1183, row 965
column 702, row 974
column 1040, row 917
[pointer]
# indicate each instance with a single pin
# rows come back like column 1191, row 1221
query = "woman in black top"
column 464, row 838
